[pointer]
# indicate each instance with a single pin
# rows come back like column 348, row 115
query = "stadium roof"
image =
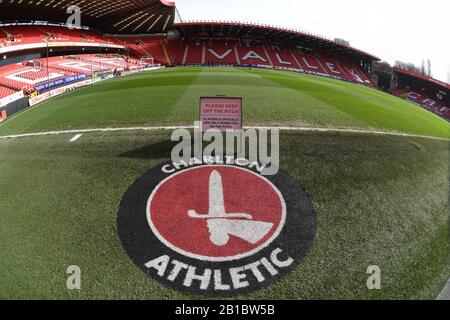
column 268, row 33
column 110, row 16
column 422, row 77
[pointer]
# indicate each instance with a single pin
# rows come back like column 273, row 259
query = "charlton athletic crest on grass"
column 216, row 230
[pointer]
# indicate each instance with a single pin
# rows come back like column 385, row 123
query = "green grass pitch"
column 379, row 199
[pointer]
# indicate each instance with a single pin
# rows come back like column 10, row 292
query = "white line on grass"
column 298, row 129
column 75, row 138
column 445, row 294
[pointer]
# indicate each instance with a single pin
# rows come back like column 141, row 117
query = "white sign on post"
column 221, row 113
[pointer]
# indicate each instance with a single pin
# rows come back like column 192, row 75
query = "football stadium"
column 91, row 94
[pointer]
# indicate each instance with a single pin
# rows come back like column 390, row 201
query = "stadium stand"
column 138, row 33
column 310, row 62
column 41, row 56
column 127, row 37
column 221, row 52
column 29, row 74
column 200, row 51
column 31, row 37
column 239, row 52
column 6, row 91
column 109, row 16
column 141, row 46
column 218, row 43
column 214, row 43
column 200, row 43
column 421, row 90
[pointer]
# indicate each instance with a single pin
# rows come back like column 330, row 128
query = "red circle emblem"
column 216, row 213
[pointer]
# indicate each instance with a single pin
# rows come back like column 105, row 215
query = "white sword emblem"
column 221, row 224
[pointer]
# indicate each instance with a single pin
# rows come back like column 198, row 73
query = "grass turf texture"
column 379, row 201
column 170, row 97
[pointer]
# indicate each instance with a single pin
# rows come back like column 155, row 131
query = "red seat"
column 4, row 91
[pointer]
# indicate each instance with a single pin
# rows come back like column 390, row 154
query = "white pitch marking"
column 445, row 294
column 75, row 138
column 299, row 129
